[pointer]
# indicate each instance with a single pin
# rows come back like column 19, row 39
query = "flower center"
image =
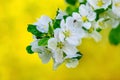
column 84, row 19
column 67, row 33
column 91, row 30
column 60, row 45
column 117, row 4
column 44, row 27
column 101, row 23
column 100, row 3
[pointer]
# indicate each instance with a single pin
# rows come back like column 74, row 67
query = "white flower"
column 116, row 7
column 75, row 20
column 72, row 63
column 101, row 23
column 86, row 15
column 59, row 48
column 61, row 14
column 93, row 34
column 98, row 4
column 96, row 36
column 69, row 33
column 114, row 19
column 44, row 53
column 43, row 24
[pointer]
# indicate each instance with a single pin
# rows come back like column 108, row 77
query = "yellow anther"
column 117, row 4
column 100, row 3
column 67, row 33
column 60, row 45
column 101, row 24
column 91, row 30
column 84, row 19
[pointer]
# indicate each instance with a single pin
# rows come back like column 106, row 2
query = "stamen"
column 84, row 19
column 67, row 33
column 117, row 4
column 60, row 45
column 100, row 3
column 91, row 30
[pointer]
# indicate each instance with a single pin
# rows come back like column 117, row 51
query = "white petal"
column 58, row 56
column 116, row 9
column 56, row 65
column 73, row 40
column 45, row 57
column 52, row 43
column 72, row 63
column 35, row 47
column 83, row 10
column 62, row 24
column 91, row 16
column 72, row 56
column 115, row 23
column 61, row 14
column 87, row 25
column 94, row 4
column 61, row 36
column 69, row 22
column 43, row 23
column 44, row 20
column 69, row 49
column 97, row 37
column 76, row 16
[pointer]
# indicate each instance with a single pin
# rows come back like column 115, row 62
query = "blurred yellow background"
column 101, row 61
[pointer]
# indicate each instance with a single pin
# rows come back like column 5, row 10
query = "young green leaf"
column 56, row 24
column 43, row 42
column 114, row 36
column 51, row 30
column 72, row 2
column 98, row 12
column 71, row 9
column 28, row 48
column 98, row 29
column 32, row 28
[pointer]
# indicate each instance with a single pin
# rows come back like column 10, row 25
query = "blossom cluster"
column 58, row 38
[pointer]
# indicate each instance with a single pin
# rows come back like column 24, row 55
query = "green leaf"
column 43, row 42
column 32, row 28
column 72, row 2
column 57, row 12
column 51, row 30
column 98, row 12
column 114, row 36
column 28, row 48
column 64, row 17
column 98, row 29
column 56, row 23
column 71, row 9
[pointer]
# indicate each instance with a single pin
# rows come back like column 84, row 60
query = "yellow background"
column 101, row 61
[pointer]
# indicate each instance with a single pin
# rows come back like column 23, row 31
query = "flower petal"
column 70, row 49
column 87, row 25
column 97, row 37
column 45, row 57
column 52, row 43
column 72, row 63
